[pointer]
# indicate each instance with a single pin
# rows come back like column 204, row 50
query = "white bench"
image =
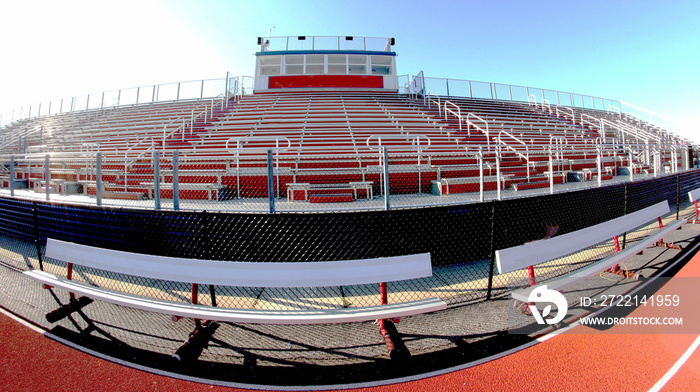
column 244, row 274
column 538, row 252
column 452, row 185
column 351, row 187
column 193, row 186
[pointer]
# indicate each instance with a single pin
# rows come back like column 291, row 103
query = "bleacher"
column 328, row 138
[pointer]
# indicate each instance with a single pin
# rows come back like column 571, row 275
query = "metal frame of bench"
column 350, row 186
column 538, row 252
column 694, row 195
column 246, row 274
column 192, row 186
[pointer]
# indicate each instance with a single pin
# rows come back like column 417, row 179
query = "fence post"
column 176, row 181
column 35, row 221
column 493, row 251
column 387, row 204
column 498, row 172
column 156, row 178
column 678, row 196
column 270, row 182
column 98, row 179
column 47, row 176
column 12, row 175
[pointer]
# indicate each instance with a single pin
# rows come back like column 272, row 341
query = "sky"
column 646, row 53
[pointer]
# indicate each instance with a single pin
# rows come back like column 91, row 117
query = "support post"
column 270, row 182
column 176, row 181
column 12, row 176
column 47, row 176
column 98, row 179
column 387, row 204
column 156, row 179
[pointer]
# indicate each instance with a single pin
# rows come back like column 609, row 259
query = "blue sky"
column 643, row 52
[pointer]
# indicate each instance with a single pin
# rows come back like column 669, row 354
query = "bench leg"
column 66, row 310
column 669, row 245
column 392, row 338
column 196, row 342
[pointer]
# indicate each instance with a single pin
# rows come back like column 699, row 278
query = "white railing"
column 129, row 162
column 525, row 156
column 167, row 92
column 510, row 92
column 430, row 100
column 208, row 108
column 566, row 113
column 457, row 114
column 484, row 130
column 467, row 120
column 414, row 139
column 246, row 161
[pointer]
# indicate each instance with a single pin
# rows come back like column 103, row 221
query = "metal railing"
column 375, row 176
column 509, row 92
column 201, row 112
column 175, row 91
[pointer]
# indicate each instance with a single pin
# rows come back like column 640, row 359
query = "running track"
column 597, row 361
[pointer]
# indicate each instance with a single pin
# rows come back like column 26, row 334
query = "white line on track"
column 681, row 361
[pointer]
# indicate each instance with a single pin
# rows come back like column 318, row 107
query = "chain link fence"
column 461, row 237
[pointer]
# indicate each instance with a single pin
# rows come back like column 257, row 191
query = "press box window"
column 314, row 64
column 270, row 65
column 381, row 65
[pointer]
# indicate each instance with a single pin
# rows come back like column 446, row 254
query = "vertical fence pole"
column 47, row 176
column 37, row 245
column 481, row 175
column 493, row 250
column 176, row 181
column 156, row 178
column 387, row 204
column 270, row 182
column 98, row 179
column 551, row 172
column 678, row 196
column 226, row 89
column 498, row 172
column 12, row 175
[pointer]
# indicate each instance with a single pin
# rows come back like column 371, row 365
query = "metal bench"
column 244, row 274
column 538, row 252
column 351, row 187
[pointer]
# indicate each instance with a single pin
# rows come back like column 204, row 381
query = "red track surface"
column 599, row 361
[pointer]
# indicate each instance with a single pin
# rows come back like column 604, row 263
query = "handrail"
column 193, row 118
column 526, row 156
column 557, row 144
column 545, row 104
column 586, row 120
column 458, row 114
column 129, row 162
column 564, row 113
column 398, row 137
column 276, row 139
column 613, row 109
column 137, row 95
column 432, row 100
column 532, row 100
column 486, row 132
